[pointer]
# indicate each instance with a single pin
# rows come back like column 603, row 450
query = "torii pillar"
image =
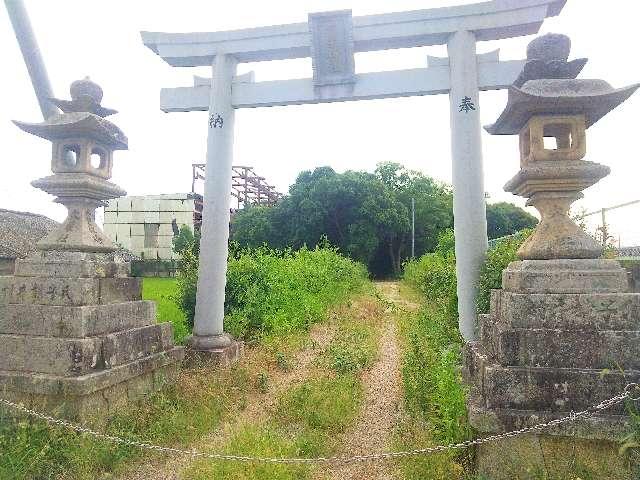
column 208, row 332
column 469, row 210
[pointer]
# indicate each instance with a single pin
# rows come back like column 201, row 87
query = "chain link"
column 631, row 392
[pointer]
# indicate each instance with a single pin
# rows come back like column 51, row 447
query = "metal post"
column 413, row 228
column 605, row 233
column 32, row 57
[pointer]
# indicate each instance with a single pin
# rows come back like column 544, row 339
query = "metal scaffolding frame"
column 247, row 187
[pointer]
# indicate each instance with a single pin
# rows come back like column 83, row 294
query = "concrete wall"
column 7, row 266
column 632, row 264
column 125, row 219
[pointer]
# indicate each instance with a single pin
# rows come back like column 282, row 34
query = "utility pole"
column 413, row 227
column 605, row 229
column 605, row 233
column 31, row 55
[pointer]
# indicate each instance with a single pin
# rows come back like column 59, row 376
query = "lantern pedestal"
column 563, row 333
column 77, row 338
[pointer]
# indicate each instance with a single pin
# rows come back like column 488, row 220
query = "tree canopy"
column 504, row 218
column 366, row 215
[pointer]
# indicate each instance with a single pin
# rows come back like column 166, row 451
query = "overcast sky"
column 101, row 39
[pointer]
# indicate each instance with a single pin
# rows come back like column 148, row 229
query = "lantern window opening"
column 558, row 136
column 70, row 155
column 98, row 158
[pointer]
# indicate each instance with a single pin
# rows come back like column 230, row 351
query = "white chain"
column 572, row 417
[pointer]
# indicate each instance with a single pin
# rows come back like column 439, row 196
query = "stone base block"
column 214, row 357
column 552, row 389
column 581, row 311
column 533, row 457
column 603, row 426
column 72, row 264
column 77, row 356
column 92, row 397
column 565, row 276
column 75, row 322
column 560, row 348
column 68, row 291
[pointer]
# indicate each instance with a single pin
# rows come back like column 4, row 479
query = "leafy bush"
column 434, row 274
column 187, row 278
column 273, row 291
column 185, row 240
column 498, row 257
column 432, row 382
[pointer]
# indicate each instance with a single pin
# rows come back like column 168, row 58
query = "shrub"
column 434, row 274
column 432, row 383
column 187, row 284
column 185, row 240
column 498, row 257
column 274, row 291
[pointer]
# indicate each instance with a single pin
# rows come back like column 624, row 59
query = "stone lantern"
column 82, row 160
column 553, row 177
column 563, row 333
column 76, row 336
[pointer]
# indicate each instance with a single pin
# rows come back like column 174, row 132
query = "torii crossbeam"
column 331, row 39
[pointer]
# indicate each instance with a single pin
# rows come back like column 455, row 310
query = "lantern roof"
column 592, row 98
column 82, row 117
column 78, row 124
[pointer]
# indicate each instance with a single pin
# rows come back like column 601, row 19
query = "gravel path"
column 381, row 410
column 371, row 432
column 255, row 411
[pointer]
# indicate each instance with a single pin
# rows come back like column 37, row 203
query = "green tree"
column 367, row 216
column 355, row 211
column 185, row 239
column 433, row 209
column 504, row 218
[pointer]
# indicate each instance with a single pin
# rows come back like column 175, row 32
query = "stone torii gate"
column 331, row 39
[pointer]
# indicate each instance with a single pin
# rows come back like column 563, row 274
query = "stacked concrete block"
column 125, row 220
column 561, row 336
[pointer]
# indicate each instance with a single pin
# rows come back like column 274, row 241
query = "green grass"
column 308, row 419
column 31, row 450
column 163, row 291
column 327, row 405
column 263, row 441
column 353, row 349
column 433, row 392
column 306, row 422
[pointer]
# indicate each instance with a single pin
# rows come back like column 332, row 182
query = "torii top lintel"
column 490, row 20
